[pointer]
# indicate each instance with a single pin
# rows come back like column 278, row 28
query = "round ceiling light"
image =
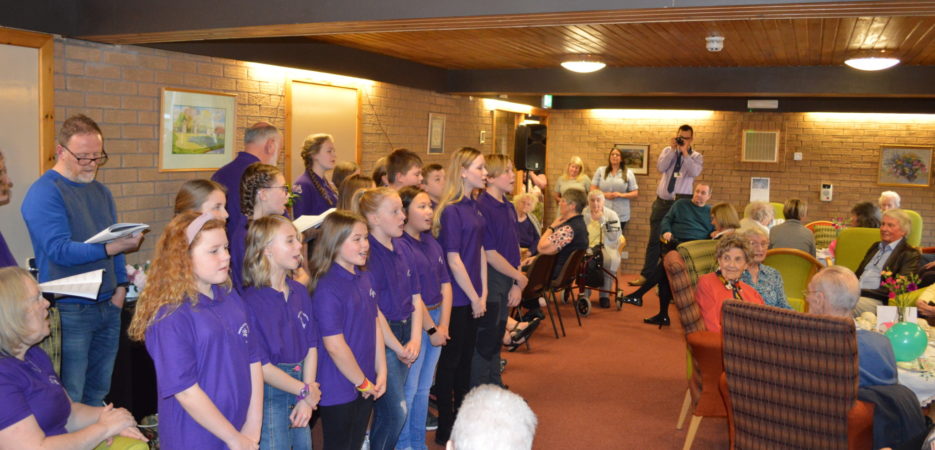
column 872, row 63
column 583, row 64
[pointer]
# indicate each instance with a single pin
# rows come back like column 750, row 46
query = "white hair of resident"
column 493, row 418
column 892, row 195
column 840, row 286
column 905, row 223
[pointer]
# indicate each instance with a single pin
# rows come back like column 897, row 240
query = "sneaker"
column 431, row 422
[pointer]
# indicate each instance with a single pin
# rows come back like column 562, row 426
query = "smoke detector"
column 714, row 43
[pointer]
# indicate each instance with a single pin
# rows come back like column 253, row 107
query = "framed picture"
column 635, row 157
column 196, row 130
column 905, row 165
column 436, row 133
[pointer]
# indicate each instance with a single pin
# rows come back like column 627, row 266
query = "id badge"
column 677, row 174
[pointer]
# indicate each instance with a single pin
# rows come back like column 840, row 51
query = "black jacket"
column 903, row 261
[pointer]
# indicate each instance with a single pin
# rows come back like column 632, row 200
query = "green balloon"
column 908, row 340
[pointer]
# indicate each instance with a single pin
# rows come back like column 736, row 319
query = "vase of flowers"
column 900, row 287
column 908, row 339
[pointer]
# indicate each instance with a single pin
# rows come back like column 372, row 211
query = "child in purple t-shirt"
column 288, row 337
column 459, row 226
column 201, row 339
column 346, row 311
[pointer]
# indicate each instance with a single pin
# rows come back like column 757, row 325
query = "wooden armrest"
column 928, row 249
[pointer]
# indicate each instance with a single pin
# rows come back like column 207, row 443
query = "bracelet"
column 365, row 386
column 303, row 393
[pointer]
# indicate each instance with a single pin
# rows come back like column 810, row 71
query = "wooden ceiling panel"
column 768, row 42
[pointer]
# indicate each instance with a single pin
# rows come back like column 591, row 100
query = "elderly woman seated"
column 603, row 229
column 765, row 279
column 37, row 412
column 757, row 215
column 713, row 289
column 791, row 233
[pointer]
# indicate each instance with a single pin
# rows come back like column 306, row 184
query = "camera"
column 679, row 140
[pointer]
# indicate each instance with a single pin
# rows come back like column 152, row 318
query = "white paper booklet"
column 84, row 285
column 305, row 222
column 116, row 231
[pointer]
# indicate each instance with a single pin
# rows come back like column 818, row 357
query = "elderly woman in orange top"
column 733, row 255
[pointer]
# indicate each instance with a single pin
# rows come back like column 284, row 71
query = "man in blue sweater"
column 62, row 209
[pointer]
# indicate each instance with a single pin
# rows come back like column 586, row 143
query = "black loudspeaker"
column 529, row 152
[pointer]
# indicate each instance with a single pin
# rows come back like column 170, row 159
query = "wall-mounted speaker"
column 529, row 151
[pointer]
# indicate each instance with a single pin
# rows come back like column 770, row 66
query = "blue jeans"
column 390, row 410
column 278, row 433
column 90, row 336
column 418, row 383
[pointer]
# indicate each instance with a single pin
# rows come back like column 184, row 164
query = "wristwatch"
column 431, row 331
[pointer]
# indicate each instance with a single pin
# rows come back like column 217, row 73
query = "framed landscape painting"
column 635, row 157
column 196, row 130
column 905, row 165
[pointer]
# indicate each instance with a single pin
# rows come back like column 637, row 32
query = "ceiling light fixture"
column 583, row 63
column 872, row 62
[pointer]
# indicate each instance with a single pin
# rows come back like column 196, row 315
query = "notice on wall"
column 759, row 189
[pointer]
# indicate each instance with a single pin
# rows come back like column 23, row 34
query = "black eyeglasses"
column 285, row 188
column 84, row 161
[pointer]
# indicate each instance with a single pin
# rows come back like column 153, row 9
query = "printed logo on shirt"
column 440, row 260
column 408, row 273
column 54, row 380
column 244, row 331
column 373, row 294
column 303, row 319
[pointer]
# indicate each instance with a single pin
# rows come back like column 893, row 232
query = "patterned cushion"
column 52, row 344
column 824, row 234
column 699, row 258
column 792, row 377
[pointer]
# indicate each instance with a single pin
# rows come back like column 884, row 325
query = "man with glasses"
column 678, row 165
column 62, row 209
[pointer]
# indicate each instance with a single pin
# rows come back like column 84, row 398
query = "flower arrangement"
column 136, row 274
column 294, row 193
column 906, row 165
column 840, row 223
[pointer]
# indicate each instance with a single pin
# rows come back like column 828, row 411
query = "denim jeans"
column 418, row 383
column 90, row 337
column 390, row 410
column 278, row 433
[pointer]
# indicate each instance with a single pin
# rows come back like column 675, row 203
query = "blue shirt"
column 393, row 278
column 229, row 176
column 622, row 182
column 345, row 304
column 429, row 265
column 876, row 359
column 500, row 228
column 870, row 277
column 462, row 232
column 310, row 201
column 60, row 215
column 285, row 329
column 692, row 166
column 769, row 285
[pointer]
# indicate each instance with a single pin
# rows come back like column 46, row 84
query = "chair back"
column 569, row 272
column 914, row 238
column 777, row 210
column 792, row 377
column 539, row 275
column 683, row 267
column 797, row 269
column 853, row 244
column 824, row 232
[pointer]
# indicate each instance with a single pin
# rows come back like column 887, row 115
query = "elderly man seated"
column 891, row 254
column 834, row 291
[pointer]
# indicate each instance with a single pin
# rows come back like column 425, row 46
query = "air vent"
column 760, row 146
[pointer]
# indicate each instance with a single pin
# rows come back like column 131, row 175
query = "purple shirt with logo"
column 394, row 278
column 500, row 231
column 429, row 263
column 309, row 200
column 346, row 304
column 285, row 328
column 211, row 344
column 462, row 232
column 31, row 388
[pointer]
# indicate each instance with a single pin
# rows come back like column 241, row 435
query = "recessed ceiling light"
column 583, row 63
column 872, row 62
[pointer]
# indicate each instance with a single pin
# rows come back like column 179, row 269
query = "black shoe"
column 431, row 422
column 605, row 302
column 635, row 301
column 658, row 319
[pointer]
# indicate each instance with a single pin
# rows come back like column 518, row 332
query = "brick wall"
column 840, row 149
column 119, row 87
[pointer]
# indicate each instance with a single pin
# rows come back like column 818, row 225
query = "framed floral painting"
column 905, row 165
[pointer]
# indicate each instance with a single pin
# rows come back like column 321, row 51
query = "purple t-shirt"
column 462, row 232
column 346, row 304
column 528, row 235
column 429, row 264
column 229, row 176
column 500, row 230
column 31, row 388
column 210, row 344
column 285, row 328
column 237, row 246
column 6, row 257
column 393, row 278
column 309, row 200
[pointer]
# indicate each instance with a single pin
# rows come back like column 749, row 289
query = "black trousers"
column 453, row 374
column 653, row 250
column 657, row 275
column 485, row 366
column 344, row 426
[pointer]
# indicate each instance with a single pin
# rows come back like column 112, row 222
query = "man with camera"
column 678, row 165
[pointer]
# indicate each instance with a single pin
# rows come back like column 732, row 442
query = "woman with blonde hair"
column 202, row 340
column 574, row 177
column 349, row 187
column 37, row 412
column 618, row 184
column 724, row 219
column 459, row 226
column 202, row 195
column 287, row 335
column 315, row 193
